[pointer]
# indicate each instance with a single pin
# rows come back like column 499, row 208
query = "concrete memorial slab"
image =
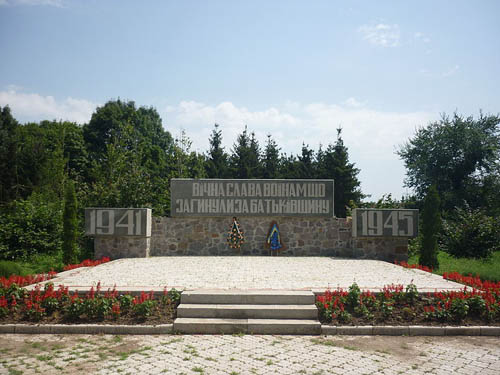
column 256, row 197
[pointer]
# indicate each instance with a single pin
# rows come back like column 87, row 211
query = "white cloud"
column 56, row 3
column 451, row 71
column 35, row 107
column 381, row 35
column 352, row 102
column 371, row 136
column 422, row 37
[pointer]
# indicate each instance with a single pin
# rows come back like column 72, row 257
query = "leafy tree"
column 132, row 157
column 217, row 159
column 431, row 225
column 469, row 233
column 460, row 156
column 70, row 225
column 271, row 159
column 8, row 156
column 334, row 164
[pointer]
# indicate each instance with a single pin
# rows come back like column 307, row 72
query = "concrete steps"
column 247, row 311
column 257, row 297
column 240, row 311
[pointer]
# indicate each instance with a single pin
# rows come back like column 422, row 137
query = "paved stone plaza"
column 241, row 272
column 201, row 354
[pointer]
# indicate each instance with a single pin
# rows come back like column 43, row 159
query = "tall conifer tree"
column 70, row 225
column 271, row 159
column 217, row 159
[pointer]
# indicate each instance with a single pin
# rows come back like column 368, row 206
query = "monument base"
column 302, row 237
column 122, row 247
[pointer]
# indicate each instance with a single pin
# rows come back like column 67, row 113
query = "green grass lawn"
column 486, row 269
column 36, row 264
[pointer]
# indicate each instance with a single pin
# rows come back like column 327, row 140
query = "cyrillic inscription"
column 204, row 197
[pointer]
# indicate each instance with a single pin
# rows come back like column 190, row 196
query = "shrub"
column 431, row 225
column 29, row 227
column 8, row 268
column 352, row 299
column 471, row 234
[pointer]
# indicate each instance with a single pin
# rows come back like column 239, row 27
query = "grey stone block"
column 354, row 330
column 284, row 327
column 7, row 328
column 426, row 331
column 210, row 326
column 391, row 330
column 328, row 330
column 490, row 331
column 462, row 331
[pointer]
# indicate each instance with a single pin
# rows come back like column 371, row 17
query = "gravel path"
column 236, row 272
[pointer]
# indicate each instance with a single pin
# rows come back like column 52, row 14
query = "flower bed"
column 86, row 263
column 396, row 305
column 51, row 305
column 473, row 281
column 22, row 281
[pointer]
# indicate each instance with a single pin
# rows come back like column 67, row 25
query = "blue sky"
column 293, row 69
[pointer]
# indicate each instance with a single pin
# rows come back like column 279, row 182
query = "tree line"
column 124, row 157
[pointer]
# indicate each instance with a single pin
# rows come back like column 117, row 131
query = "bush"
column 8, row 268
column 29, row 227
column 471, row 234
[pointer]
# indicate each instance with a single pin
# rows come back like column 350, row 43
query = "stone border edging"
column 325, row 330
column 411, row 330
column 93, row 329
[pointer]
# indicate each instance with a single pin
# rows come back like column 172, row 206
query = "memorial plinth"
column 202, row 211
column 119, row 232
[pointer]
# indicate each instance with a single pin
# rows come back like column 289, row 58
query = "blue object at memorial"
column 274, row 240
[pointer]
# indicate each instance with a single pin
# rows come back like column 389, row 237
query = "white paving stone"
column 238, row 272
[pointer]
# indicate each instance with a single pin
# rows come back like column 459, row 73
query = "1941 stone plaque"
column 369, row 222
column 118, row 222
column 259, row 197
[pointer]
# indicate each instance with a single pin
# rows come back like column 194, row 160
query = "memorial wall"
column 204, row 212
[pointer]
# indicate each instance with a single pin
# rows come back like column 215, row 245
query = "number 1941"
column 125, row 222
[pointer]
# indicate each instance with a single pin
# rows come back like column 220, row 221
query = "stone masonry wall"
column 122, row 247
column 302, row 237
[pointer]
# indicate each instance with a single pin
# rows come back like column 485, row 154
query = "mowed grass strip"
column 485, row 269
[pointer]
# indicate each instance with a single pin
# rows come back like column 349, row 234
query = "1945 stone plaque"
column 118, row 222
column 225, row 197
column 369, row 222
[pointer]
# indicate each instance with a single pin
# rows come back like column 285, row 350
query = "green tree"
column 288, row 166
column 306, row 163
column 271, row 159
column 334, row 164
column 8, row 156
column 245, row 157
column 70, row 225
column 217, row 159
column 431, row 225
column 460, row 156
column 131, row 157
